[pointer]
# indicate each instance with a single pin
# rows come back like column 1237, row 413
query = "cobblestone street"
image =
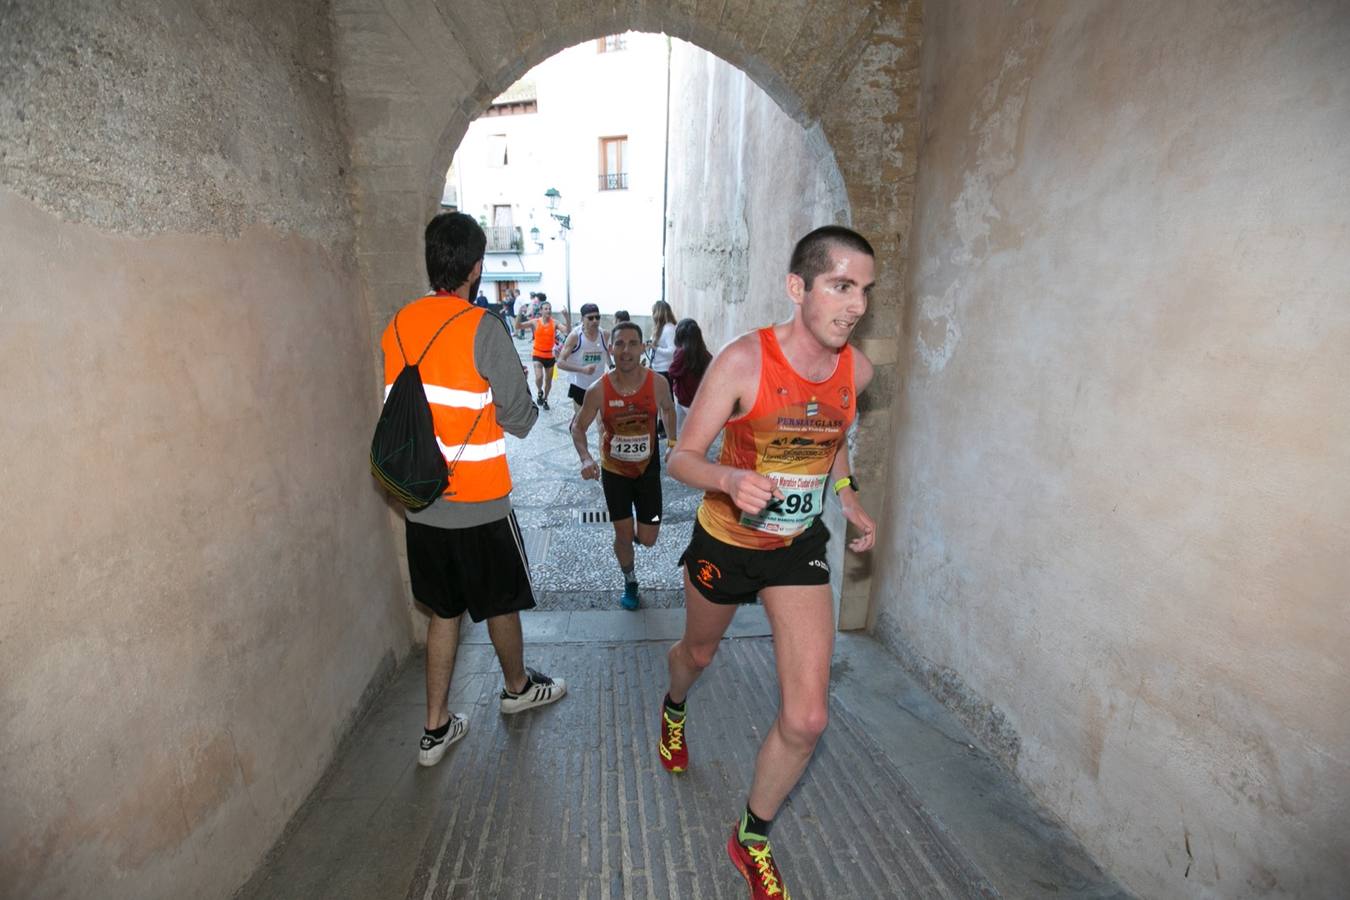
column 568, row 536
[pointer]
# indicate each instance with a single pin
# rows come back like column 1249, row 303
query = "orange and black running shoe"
column 674, row 752
column 756, row 863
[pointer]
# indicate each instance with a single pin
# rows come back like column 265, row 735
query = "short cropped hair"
column 811, row 256
column 633, row 326
column 454, row 244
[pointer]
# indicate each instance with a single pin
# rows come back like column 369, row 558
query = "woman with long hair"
column 661, row 347
column 687, row 367
column 662, row 343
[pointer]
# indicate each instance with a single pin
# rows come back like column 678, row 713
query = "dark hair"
column 811, row 256
column 689, row 337
column 621, row 315
column 632, row 326
column 454, row 245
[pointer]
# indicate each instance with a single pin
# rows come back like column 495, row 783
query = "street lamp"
column 554, row 197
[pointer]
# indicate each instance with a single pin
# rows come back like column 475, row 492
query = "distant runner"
column 585, row 354
column 545, row 329
column 627, row 401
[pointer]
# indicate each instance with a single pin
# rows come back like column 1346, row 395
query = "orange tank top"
column 545, row 333
column 628, row 428
column 790, row 434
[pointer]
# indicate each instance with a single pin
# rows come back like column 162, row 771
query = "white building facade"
column 591, row 124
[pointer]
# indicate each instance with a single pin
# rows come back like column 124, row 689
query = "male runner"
column 591, row 347
column 786, row 396
column 627, row 401
column 545, row 329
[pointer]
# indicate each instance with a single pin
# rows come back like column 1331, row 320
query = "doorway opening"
column 623, row 172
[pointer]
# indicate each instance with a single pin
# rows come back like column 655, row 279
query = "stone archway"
column 413, row 76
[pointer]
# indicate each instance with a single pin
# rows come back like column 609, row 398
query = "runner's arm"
column 841, row 468
column 736, row 373
column 581, row 425
column 568, row 348
column 665, row 406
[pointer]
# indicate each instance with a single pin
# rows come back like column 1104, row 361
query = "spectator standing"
column 661, row 348
column 476, row 393
column 687, row 368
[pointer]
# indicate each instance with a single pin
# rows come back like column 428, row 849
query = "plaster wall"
column 1117, row 537
column 746, row 181
column 198, row 583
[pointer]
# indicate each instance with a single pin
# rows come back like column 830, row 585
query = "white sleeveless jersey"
column 588, row 352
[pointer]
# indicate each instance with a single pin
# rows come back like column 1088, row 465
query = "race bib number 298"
column 790, row 515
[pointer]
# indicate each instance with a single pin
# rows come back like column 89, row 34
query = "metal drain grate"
column 592, row 516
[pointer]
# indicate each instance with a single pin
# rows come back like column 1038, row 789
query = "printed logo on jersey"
column 844, row 398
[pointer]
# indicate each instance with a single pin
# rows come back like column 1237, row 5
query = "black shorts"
column 577, row 394
column 545, row 361
column 725, row 573
column 644, row 492
column 482, row 569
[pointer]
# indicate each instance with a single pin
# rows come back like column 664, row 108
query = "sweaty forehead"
column 849, row 265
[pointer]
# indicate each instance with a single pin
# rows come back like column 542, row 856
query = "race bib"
column 800, row 504
column 590, row 358
column 630, row 447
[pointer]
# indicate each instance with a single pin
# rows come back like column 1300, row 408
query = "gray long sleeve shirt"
column 495, row 357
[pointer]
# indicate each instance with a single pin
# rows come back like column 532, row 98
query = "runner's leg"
column 704, row 624
column 802, row 619
column 646, row 534
column 623, row 543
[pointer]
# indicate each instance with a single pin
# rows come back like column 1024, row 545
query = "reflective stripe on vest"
column 460, row 398
column 447, row 396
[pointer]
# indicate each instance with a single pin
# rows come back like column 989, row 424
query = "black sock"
column 753, row 830
column 629, row 576
column 439, row 732
column 674, row 707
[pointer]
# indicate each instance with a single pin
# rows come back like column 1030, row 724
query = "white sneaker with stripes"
column 431, row 748
column 540, row 690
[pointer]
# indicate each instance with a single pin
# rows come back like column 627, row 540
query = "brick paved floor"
column 571, row 801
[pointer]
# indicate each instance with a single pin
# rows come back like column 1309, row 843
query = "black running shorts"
column 622, row 495
column 546, row 361
column 577, row 394
column 482, row 569
column 725, row 573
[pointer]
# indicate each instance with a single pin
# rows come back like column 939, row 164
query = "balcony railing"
column 617, row 181
column 504, row 239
